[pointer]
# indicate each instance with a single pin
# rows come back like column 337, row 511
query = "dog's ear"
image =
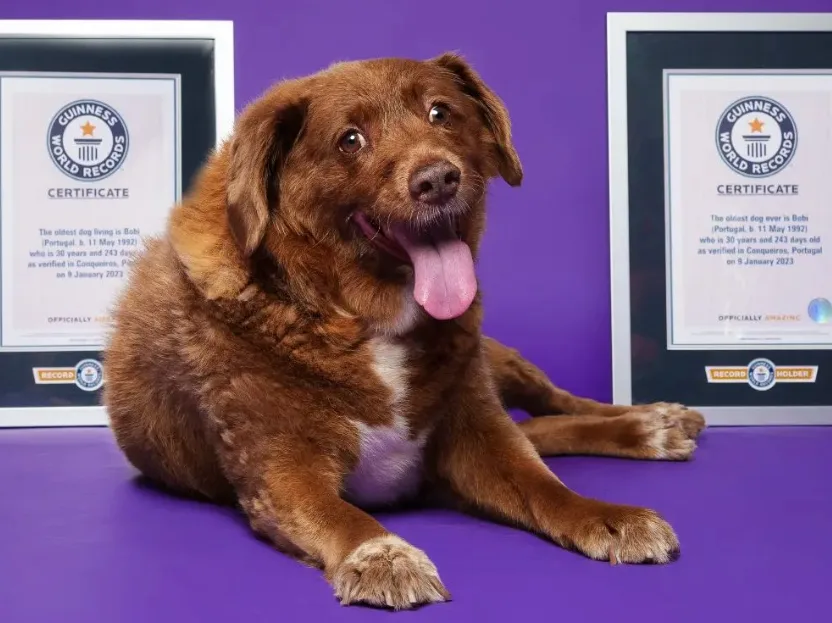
column 494, row 113
column 263, row 136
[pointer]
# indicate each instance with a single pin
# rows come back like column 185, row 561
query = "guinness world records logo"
column 87, row 140
column 761, row 374
column 89, row 375
column 756, row 136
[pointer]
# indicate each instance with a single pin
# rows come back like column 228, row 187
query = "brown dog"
column 305, row 339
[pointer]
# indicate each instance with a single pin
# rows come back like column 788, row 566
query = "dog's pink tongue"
column 444, row 270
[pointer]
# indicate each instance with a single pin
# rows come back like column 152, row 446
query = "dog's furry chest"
column 389, row 466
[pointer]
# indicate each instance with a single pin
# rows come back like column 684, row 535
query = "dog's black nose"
column 436, row 183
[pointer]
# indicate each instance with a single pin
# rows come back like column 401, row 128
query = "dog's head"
column 375, row 167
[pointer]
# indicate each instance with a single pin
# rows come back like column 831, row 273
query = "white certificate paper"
column 748, row 183
column 89, row 166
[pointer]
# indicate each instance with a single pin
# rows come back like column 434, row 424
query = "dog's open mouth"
column 445, row 283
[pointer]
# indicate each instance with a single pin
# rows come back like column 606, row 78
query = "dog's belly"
column 389, row 466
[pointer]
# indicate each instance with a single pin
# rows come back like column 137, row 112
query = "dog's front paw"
column 622, row 534
column 388, row 572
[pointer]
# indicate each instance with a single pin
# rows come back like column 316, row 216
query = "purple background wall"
column 545, row 262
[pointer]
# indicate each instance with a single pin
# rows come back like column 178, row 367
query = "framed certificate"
column 720, row 130
column 103, row 124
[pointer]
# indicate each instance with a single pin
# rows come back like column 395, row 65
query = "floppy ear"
column 494, row 113
column 263, row 137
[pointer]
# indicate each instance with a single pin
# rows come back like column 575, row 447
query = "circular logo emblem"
column 820, row 310
column 761, row 374
column 87, row 140
column 89, row 375
column 756, row 136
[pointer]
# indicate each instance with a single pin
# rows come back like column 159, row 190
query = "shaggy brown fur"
column 292, row 346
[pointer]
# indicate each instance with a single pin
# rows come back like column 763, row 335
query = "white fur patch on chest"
column 390, row 461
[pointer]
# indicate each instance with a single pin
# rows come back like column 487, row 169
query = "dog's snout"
column 435, row 183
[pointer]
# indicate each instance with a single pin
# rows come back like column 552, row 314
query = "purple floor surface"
column 82, row 542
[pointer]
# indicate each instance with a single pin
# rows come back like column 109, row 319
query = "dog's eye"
column 439, row 114
column 352, row 142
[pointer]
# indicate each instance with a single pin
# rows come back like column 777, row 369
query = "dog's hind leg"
column 563, row 423
column 524, row 386
column 639, row 434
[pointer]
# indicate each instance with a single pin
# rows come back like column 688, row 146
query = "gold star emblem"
column 756, row 125
column 87, row 129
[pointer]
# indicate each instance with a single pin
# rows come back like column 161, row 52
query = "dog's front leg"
column 289, row 487
column 491, row 467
